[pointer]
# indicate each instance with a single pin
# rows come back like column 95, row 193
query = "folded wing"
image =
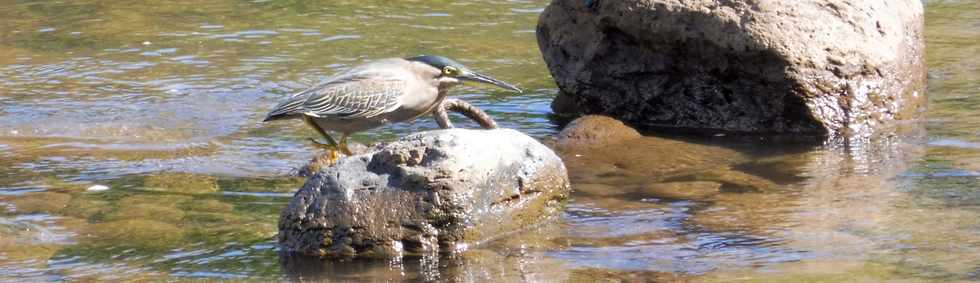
column 353, row 96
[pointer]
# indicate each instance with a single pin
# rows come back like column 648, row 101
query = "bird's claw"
column 327, row 159
column 331, row 156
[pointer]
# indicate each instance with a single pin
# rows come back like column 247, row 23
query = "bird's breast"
column 419, row 99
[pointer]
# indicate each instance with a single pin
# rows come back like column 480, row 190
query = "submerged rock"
column 429, row 192
column 812, row 66
column 595, row 130
column 601, row 150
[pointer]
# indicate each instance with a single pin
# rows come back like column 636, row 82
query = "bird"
column 374, row 94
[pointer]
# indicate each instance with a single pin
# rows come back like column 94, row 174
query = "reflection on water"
column 161, row 103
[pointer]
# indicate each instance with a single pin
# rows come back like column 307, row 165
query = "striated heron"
column 376, row 93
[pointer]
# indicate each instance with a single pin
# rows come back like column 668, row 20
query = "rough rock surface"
column 809, row 66
column 429, row 192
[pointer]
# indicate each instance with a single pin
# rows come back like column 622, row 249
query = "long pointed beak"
column 481, row 78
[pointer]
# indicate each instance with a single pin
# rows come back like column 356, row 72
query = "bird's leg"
column 343, row 145
column 331, row 145
column 323, row 145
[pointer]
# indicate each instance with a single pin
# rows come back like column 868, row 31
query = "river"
column 162, row 103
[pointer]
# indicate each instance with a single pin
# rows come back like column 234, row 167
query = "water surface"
column 162, row 102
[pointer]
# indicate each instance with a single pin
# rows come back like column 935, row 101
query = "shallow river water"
column 162, row 102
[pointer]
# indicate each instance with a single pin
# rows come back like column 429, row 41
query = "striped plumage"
column 343, row 99
column 362, row 92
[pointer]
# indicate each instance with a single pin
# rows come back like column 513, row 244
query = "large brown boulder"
column 808, row 66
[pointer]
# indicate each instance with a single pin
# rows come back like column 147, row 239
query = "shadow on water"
column 301, row 268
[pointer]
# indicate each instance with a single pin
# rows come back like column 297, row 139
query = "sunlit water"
column 162, row 102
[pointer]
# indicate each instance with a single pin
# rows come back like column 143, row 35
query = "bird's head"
column 452, row 72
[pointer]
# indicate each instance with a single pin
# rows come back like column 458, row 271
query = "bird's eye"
column 450, row 71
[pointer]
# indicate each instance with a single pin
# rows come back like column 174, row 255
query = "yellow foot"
column 332, row 157
column 324, row 160
column 327, row 159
